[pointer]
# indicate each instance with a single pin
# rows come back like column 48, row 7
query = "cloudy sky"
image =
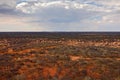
column 59, row 15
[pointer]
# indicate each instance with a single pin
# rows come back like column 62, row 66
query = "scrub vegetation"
column 60, row 56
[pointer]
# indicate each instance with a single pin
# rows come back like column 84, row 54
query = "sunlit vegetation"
column 55, row 56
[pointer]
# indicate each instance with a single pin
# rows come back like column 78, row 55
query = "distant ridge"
column 55, row 34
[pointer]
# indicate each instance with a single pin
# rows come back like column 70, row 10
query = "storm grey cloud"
column 6, row 9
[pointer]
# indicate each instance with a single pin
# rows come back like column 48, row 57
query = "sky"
column 59, row 15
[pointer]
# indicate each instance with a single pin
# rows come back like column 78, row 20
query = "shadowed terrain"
column 60, row 56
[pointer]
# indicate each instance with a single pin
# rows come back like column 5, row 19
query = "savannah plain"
column 60, row 56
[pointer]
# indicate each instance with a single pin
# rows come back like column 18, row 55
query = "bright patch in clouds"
column 60, row 15
column 28, row 7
